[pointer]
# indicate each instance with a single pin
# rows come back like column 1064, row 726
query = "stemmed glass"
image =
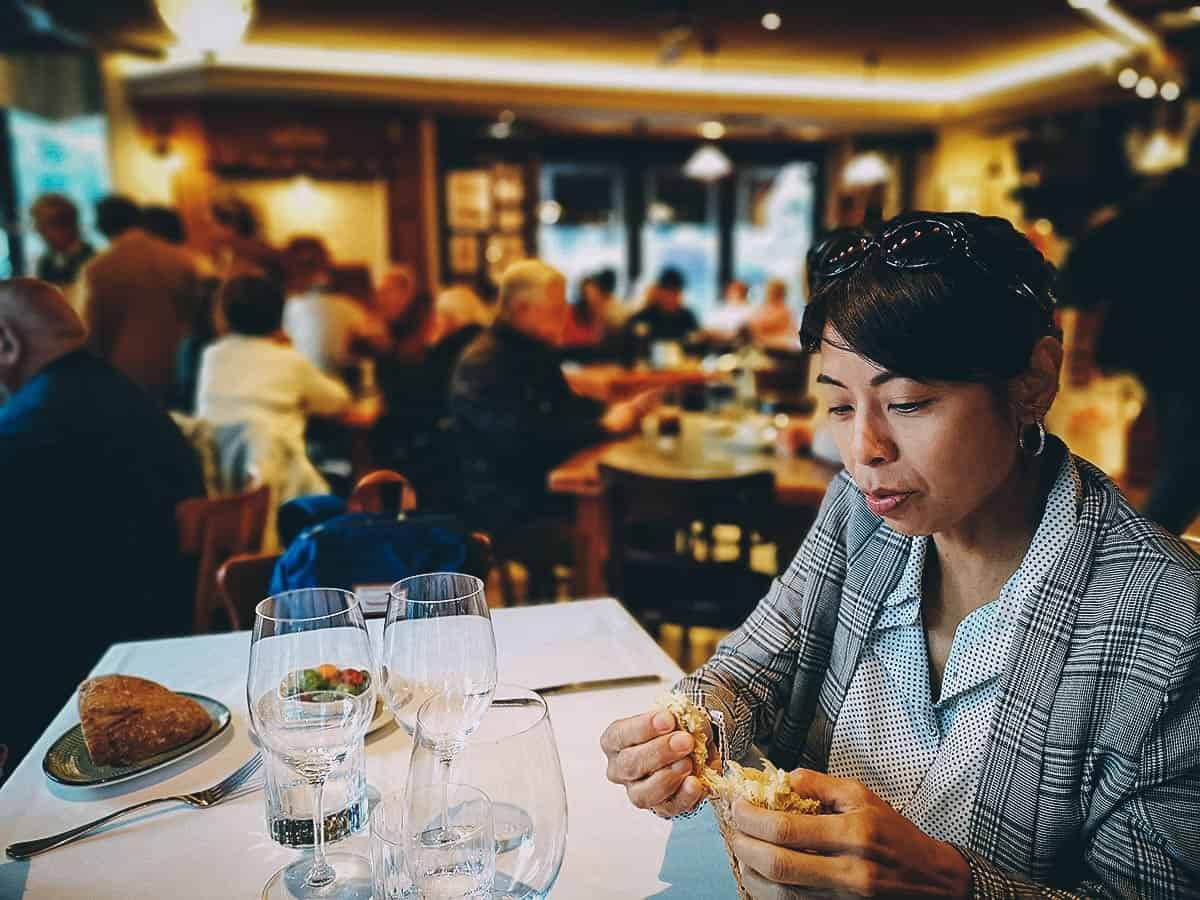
column 513, row 758
column 438, row 641
column 311, row 694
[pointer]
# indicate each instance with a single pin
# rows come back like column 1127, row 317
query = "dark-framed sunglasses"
column 917, row 244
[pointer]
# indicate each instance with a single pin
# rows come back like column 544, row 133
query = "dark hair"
column 116, row 214
column 671, row 279
column 606, row 280
column 948, row 322
column 253, row 305
column 57, row 210
column 165, row 223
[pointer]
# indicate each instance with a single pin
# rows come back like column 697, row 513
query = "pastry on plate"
column 126, row 719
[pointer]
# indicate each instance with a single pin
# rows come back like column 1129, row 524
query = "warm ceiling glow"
column 507, row 116
column 500, row 130
column 1169, row 91
column 708, row 163
column 1086, row 4
column 771, row 21
column 1128, row 78
column 713, row 130
column 461, row 68
column 207, row 25
column 866, row 169
column 1113, row 18
column 1147, row 87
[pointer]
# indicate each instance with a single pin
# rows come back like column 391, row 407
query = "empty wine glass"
column 438, row 641
column 311, row 693
column 512, row 757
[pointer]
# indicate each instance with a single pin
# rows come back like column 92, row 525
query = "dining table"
column 612, row 382
column 613, row 850
column 708, row 446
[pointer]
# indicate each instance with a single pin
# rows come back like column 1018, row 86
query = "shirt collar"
column 1059, row 518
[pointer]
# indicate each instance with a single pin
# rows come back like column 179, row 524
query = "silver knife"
column 600, row 684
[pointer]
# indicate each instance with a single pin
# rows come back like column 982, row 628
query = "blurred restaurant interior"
column 427, row 148
column 347, row 291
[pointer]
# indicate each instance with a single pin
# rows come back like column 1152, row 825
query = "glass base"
column 353, row 881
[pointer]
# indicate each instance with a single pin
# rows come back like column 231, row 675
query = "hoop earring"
column 1041, row 440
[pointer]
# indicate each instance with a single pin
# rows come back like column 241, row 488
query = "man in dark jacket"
column 515, row 416
column 90, row 472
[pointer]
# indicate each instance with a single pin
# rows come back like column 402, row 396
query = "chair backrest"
column 243, row 581
column 691, row 506
column 214, row 529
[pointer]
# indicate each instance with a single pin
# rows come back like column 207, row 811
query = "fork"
column 199, row 799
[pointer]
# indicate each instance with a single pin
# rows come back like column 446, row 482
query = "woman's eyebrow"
column 882, row 378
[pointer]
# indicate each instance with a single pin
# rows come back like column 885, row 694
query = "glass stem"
column 322, row 873
column 447, row 763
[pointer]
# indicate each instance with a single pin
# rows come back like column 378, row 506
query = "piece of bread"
column 127, row 719
column 768, row 788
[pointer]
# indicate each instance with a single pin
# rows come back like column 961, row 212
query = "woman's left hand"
column 860, row 848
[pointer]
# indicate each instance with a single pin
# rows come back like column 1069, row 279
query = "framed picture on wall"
column 509, row 185
column 464, row 254
column 510, row 219
column 469, row 200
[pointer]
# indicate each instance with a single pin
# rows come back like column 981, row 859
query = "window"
column 680, row 231
column 773, row 228
column 581, row 226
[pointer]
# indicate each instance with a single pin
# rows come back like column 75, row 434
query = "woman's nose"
column 872, row 445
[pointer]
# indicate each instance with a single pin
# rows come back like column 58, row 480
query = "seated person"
column 91, row 470
column 727, row 321
column 56, row 219
column 772, row 324
column 254, row 375
column 515, row 416
column 329, row 328
column 664, row 316
column 459, row 317
column 983, row 661
column 590, row 324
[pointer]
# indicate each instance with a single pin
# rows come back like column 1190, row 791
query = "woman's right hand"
column 651, row 758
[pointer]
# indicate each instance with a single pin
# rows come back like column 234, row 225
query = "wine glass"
column 438, row 641
column 513, row 758
column 311, row 694
column 450, row 841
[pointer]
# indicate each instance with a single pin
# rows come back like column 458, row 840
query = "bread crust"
column 126, row 719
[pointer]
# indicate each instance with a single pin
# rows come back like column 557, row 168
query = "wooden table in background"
column 800, row 481
column 609, row 382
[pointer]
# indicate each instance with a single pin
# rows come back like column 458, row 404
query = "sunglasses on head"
column 917, row 244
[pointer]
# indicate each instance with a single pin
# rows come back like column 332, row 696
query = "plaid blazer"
column 1092, row 782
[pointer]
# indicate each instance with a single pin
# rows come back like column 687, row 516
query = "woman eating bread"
column 982, row 662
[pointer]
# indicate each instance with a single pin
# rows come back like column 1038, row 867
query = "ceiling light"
column 1044, row 227
column 207, row 25
column 708, row 163
column 500, row 130
column 507, row 116
column 1128, row 78
column 866, row 169
column 1147, row 87
column 1194, row 12
column 573, row 75
column 1169, row 91
column 771, row 21
column 713, row 130
column 550, row 212
column 1086, row 4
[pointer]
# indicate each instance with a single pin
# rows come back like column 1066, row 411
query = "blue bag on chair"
column 358, row 548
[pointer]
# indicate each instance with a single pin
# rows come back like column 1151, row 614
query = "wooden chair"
column 674, row 556
column 243, row 581
column 212, row 530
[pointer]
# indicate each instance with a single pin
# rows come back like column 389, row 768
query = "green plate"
column 68, row 761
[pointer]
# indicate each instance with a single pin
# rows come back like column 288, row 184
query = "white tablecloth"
column 175, row 852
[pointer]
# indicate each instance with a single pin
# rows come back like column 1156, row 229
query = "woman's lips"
column 883, row 503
